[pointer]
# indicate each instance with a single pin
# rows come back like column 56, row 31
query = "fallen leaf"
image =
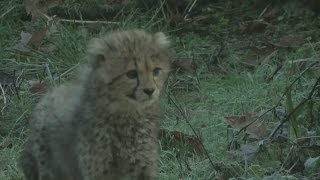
column 272, row 14
column 228, row 170
column 22, row 45
column 289, row 41
column 35, row 6
column 239, row 121
column 263, row 51
column 37, row 37
column 29, row 5
column 253, row 27
column 28, row 39
column 255, row 130
column 175, row 10
column 25, row 37
column 191, row 140
column 292, row 41
column 183, row 64
column 38, row 88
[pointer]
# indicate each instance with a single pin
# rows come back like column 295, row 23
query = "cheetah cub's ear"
column 95, row 52
column 161, row 39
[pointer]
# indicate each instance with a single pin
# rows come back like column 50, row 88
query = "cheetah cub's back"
column 103, row 124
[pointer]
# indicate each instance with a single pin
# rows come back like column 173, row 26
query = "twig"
column 88, row 22
column 4, row 98
column 193, row 130
column 15, row 84
column 308, row 137
column 268, row 79
column 287, row 157
column 264, row 11
column 3, row 94
column 278, row 103
column 298, row 78
column 155, row 14
column 51, row 18
column 296, row 108
column 5, row 13
column 189, row 10
column 256, row 119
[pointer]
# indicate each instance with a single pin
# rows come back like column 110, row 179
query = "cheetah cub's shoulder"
column 103, row 124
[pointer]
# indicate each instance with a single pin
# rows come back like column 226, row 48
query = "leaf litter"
column 254, row 129
column 191, row 140
column 36, row 40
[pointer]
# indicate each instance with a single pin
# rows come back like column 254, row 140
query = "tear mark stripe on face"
column 138, row 82
column 115, row 79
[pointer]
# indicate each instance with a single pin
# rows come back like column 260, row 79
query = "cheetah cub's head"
column 131, row 64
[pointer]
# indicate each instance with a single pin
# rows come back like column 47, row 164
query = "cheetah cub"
column 103, row 124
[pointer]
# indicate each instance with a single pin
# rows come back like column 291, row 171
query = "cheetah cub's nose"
column 148, row 91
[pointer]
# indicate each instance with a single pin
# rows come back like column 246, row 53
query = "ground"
column 233, row 62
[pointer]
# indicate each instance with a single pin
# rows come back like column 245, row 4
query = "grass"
column 205, row 96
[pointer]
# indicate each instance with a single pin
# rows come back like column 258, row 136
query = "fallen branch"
column 51, row 18
column 296, row 108
column 194, row 132
column 279, row 102
column 88, row 22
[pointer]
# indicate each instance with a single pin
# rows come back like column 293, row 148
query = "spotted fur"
column 103, row 124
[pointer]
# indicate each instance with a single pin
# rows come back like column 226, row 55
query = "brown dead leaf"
column 183, row 64
column 255, row 130
column 263, row 55
column 292, row 41
column 38, row 88
column 29, row 5
column 272, row 14
column 239, row 121
column 37, row 37
column 253, row 27
column 193, row 141
column 175, row 9
column 263, row 51
column 28, row 39
column 36, row 6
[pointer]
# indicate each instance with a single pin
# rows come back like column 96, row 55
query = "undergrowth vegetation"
column 242, row 100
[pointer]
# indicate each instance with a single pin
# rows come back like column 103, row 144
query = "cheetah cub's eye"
column 156, row 71
column 132, row 74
